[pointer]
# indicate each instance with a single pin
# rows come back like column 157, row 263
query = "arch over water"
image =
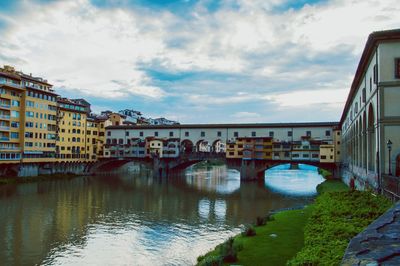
column 301, row 182
column 218, row 146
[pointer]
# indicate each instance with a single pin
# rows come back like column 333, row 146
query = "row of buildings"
column 284, row 142
column 37, row 125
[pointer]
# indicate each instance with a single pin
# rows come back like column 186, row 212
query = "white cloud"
column 105, row 52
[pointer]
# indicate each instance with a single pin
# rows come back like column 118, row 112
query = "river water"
column 133, row 219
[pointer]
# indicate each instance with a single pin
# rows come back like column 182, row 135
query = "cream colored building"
column 371, row 116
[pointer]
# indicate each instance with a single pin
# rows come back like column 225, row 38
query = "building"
column 371, row 117
column 28, row 121
column 72, row 143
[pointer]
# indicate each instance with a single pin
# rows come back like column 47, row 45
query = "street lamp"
column 389, row 146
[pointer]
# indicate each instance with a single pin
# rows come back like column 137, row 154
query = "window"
column 306, row 155
column 15, row 103
column 271, row 134
column 15, row 114
column 141, row 133
column 308, row 133
column 375, row 74
column 120, row 141
column 171, row 133
column 219, row 134
column 364, row 95
column 30, row 114
column 186, row 134
column 109, row 133
column 15, row 124
column 290, row 133
column 202, row 134
column 253, row 134
column 127, row 133
column 14, row 135
column 156, row 134
column 236, row 134
column 327, row 133
column 323, row 157
column 397, row 68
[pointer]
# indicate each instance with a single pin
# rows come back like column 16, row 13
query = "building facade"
column 371, row 117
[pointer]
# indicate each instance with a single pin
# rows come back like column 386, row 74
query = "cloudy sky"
column 197, row 61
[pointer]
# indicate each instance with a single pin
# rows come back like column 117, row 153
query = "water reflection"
column 129, row 219
column 302, row 182
column 215, row 178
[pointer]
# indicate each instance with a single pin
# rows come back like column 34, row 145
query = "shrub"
column 336, row 218
column 229, row 250
column 209, row 260
column 249, row 231
column 261, row 221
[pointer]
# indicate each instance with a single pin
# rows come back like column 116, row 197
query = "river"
column 133, row 219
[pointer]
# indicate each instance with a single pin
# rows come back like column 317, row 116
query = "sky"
column 197, row 61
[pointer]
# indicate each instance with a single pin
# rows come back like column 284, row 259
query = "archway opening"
column 303, row 181
column 219, row 146
column 203, row 146
column 371, row 139
column 187, row 146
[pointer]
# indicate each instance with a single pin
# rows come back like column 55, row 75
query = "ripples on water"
column 134, row 219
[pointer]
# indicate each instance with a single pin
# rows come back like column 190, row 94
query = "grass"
column 29, row 179
column 325, row 173
column 261, row 248
column 315, row 235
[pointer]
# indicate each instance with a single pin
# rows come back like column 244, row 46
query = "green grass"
column 331, row 186
column 325, row 173
column 316, row 235
column 262, row 248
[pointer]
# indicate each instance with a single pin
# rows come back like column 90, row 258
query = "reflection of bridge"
column 249, row 169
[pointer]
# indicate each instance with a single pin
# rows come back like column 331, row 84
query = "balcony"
column 4, row 116
column 4, row 128
column 9, row 148
column 4, row 138
column 5, row 105
column 10, row 84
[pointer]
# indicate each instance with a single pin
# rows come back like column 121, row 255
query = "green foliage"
column 249, row 231
column 213, row 260
column 229, row 251
column 325, row 173
column 336, row 218
column 331, row 186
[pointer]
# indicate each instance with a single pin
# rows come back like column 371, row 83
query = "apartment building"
column 72, row 145
column 28, row 118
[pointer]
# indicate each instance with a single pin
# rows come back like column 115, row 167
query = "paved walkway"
column 378, row 244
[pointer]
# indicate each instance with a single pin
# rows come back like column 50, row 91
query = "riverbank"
column 317, row 234
column 30, row 179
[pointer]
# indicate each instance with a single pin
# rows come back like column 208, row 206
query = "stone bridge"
column 250, row 170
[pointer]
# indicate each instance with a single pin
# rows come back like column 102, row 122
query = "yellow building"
column 27, row 118
column 250, row 148
column 327, row 153
column 72, row 144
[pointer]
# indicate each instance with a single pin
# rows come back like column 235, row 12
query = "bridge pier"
column 250, row 171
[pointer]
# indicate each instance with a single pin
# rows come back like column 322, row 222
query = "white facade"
column 372, row 113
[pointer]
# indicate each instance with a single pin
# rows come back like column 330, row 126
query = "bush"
column 209, row 261
column 336, row 218
column 261, row 221
column 229, row 250
column 249, row 231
